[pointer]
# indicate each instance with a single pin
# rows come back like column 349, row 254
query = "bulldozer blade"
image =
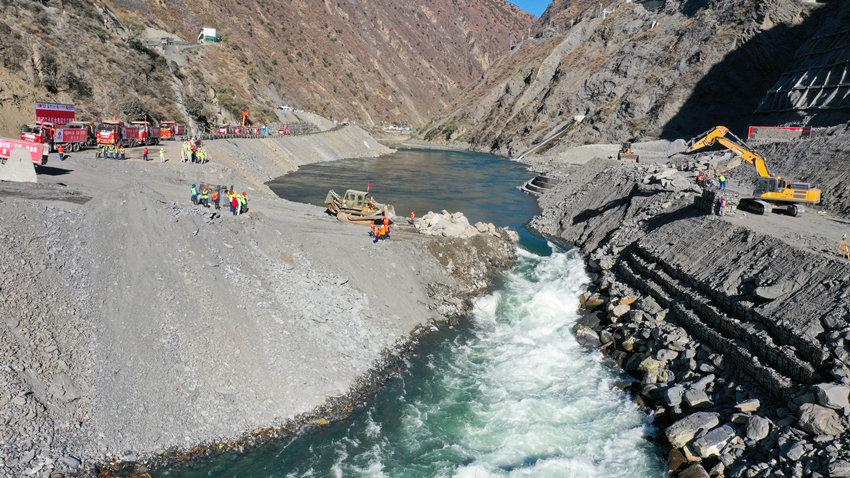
column 19, row 168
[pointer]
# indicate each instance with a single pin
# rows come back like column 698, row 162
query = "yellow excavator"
column 772, row 192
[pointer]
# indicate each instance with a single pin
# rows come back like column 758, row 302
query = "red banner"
column 71, row 135
column 57, row 114
column 8, row 145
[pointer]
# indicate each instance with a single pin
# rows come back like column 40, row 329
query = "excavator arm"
column 739, row 147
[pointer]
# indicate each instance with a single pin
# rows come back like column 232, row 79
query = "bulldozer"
column 626, row 153
column 772, row 193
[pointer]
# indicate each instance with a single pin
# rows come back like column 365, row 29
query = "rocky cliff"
column 636, row 69
column 373, row 62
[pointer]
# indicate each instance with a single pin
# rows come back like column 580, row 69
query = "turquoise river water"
column 509, row 393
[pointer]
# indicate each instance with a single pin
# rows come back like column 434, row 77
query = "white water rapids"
column 510, row 394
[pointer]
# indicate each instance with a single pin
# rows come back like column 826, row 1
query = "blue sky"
column 535, row 7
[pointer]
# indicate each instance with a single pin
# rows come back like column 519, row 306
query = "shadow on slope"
column 732, row 89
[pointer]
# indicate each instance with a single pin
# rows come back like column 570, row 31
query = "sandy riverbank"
column 137, row 323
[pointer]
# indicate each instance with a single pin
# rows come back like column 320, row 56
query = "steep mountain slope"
column 636, row 69
column 373, row 62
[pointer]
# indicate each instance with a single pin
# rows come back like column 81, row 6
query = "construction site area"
column 693, row 154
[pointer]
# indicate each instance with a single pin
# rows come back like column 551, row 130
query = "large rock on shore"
column 713, row 442
column 833, row 396
column 683, row 431
column 819, row 420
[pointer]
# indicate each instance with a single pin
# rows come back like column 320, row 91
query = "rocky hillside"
column 373, row 62
column 637, row 69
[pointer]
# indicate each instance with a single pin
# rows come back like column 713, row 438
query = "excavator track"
column 755, row 206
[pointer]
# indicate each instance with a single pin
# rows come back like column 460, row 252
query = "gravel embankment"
column 137, row 324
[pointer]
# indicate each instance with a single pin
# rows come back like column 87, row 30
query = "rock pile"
column 716, row 423
column 448, row 224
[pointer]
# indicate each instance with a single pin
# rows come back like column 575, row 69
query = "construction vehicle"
column 771, row 192
column 73, row 136
column 357, row 206
column 171, row 130
column 148, row 135
column 42, row 133
column 626, row 153
column 76, row 136
column 116, row 133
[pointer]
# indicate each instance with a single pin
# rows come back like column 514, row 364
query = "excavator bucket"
column 628, row 157
column 18, row 168
column 626, row 153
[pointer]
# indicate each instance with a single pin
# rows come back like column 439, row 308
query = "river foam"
column 511, row 394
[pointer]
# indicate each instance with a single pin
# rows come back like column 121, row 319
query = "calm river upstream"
column 509, row 393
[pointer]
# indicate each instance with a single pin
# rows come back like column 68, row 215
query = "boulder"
column 673, row 395
column 593, row 302
column 702, row 383
column 666, row 355
column 589, row 320
column 685, row 429
column 794, row 451
column 694, row 471
column 587, row 337
column 819, row 420
column 695, row 397
column 713, row 442
column 748, row 406
column 454, row 230
column 840, row 468
column 620, row 310
column 833, row 395
column 758, row 428
column 650, row 365
column 675, row 460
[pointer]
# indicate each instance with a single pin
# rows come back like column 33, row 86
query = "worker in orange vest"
column 371, row 229
column 145, row 153
column 121, row 150
column 61, row 153
column 216, row 199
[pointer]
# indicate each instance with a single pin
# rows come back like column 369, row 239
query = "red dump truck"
column 42, row 133
column 148, row 135
column 171, row 130
column 116, row 133
column 74, row 136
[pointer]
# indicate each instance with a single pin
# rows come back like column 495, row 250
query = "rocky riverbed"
column 734, row 328
column 140, row 329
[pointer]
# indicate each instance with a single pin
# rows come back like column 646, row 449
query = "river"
column 509, row 393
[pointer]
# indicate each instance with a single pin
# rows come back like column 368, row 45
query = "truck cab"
column 110, row 132
column 37, row 133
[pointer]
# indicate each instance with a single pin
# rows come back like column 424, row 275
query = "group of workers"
column 191, row 151
column 107, row 151
column 707, row 179
column 209, row 197
column 380, row 232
